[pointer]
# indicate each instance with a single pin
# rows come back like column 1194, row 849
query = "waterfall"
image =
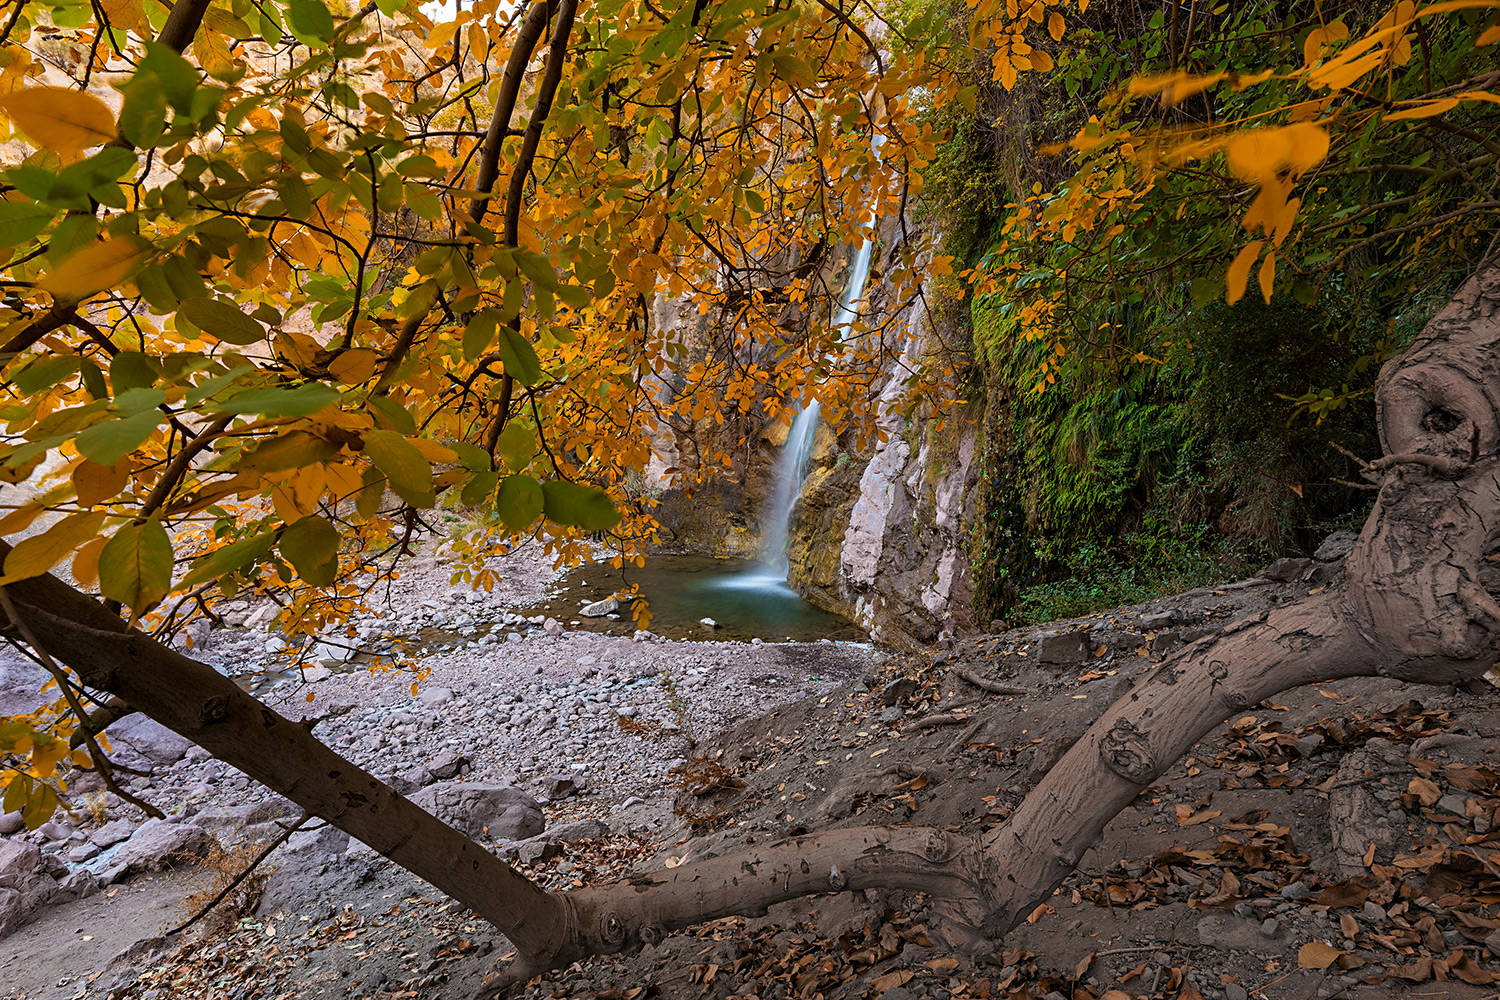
column 797, row 452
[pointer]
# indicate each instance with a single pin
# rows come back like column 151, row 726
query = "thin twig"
column 286, row 835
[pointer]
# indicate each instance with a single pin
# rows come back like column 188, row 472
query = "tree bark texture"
column 1410, row 607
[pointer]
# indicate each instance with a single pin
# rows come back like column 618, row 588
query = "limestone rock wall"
column 883, row 537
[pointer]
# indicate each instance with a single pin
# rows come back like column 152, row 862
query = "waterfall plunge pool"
column 749, row 600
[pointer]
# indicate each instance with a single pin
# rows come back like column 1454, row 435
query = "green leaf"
column 44, row 373
column 17, row 792
column 93, row 379
column 519, row 501
column 519, row 357
column 394, row 413
column 474, row 459
column 177, row 76
column 479, row 334
column 311, row 545
column 479, row 488
column 135, row 567
column 400, row 460
column 131, row 369
column 303, row 401
column 20, row 221
column 583, row 506
column 40, row 806
column 517, row 446
column 111, row 440
column 292, row 450
column 234, row 556
column 310, row 22
column 223, row 320
column 143, row 115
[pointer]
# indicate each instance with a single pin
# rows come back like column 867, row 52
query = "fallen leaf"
column 1041, row 911
column 1202, row 817
column 1317, row 955
column 890, row 979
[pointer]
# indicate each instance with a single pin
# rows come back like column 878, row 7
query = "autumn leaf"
column 36, row 555
column 61, row 119
column 1239, row 270
column 1317, row 955
column 96, row 268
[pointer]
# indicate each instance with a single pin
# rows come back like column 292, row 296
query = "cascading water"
column 797, row 453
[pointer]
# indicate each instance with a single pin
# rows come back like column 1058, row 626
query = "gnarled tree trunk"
column 1411, row 607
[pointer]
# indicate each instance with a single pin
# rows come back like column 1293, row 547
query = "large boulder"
column 158, row 845
column 30, row 880
column 502, row 812
column 149, row 738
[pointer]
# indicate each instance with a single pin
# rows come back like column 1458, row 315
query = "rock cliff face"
column 902, row 564
column 880, row 535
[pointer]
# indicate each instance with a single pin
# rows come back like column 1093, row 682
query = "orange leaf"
column 1307, row 145
column 1239, row 270
column 1055, row 26
column 1312, row 48
column 1429, row 109
column 1268, row 276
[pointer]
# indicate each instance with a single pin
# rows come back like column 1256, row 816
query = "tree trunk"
column 1410, row 607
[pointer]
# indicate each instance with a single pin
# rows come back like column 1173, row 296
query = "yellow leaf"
column 86, row 562
column 60, row 119
column 1239, row 270
column 36, row 555
column 1317, row 955
column 1340, row 72
column 1175, row 87
column 1041, row 61
column 126, row 14
column 1268, row 276
column 1427, row 110
column 432, row 451
column 96, row 267
column 1055, row 26
column 1488, row 38
column 297, row 496
column 304, row 250
column 353, row 366
column 95, row 483
column 1285, row 218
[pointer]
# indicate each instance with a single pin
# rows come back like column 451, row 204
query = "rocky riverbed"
column 506, row 725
